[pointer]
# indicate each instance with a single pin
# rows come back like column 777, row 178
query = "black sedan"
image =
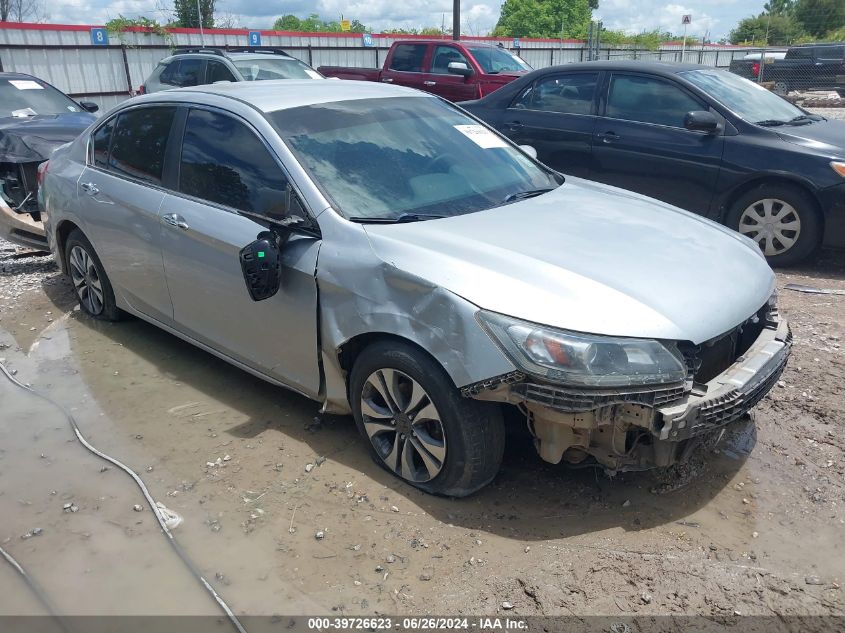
column 693, row 136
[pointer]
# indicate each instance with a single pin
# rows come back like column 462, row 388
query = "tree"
column 22, row 11
column 185, row 12
column 314, row 24
column 782, row 30
column 779, row 7
column 544, row 18
column 288, row 23
column 820, row 16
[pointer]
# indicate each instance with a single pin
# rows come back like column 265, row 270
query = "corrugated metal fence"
column 67, row 57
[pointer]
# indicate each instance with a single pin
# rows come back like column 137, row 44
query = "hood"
column 589, row 258
column 33, row 139
column 825, row 136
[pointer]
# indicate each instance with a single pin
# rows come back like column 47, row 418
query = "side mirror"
column 528, row 149
column 89, row 106
column 261, row 265
column 701, row 121
column 459, row 68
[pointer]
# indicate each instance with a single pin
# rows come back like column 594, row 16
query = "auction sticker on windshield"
column 481, row 136
column 26, row 84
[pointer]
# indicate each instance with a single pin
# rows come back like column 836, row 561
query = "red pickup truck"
column 457, row 71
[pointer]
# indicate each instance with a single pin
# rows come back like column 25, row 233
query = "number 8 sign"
column 99, row 37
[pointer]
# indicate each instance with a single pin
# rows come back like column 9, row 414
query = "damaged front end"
column 25, row 143
column 20, row 218
column 637, row 427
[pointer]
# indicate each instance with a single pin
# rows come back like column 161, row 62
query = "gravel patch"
column 22, row 270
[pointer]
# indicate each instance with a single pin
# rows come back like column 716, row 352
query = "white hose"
column 150, row 501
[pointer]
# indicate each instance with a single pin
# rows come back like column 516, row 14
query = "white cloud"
column 717, row 17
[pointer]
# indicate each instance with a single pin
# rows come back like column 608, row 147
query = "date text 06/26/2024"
column 416, row 624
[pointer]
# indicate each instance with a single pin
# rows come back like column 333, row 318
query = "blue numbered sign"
column 368, row 39
column 99, row 37
column 255, row 38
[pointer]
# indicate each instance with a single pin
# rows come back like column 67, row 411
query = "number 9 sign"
column 255, row 38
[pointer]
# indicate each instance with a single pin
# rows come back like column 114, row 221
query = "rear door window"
column 224, row 162
column 566, row 94
column 408, row 58
column 139, row 141
column 182, row 72
column 649, row 100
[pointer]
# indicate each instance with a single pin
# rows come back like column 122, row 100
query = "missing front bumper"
column 639, row 429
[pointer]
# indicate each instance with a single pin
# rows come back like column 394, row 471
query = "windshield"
column 388, row 158
column 496, row 60
column 275, row 68
column 743, row 97
column 29, row 97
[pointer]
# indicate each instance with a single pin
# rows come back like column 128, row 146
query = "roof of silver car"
column 283, row 94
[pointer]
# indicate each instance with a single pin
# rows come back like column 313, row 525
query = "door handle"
column 90, row 187
column 514, row 126
column 174, row 219
column 387, row 80
column 610, row 137
column 429, row 83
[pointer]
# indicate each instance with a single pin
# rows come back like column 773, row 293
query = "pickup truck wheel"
column 90, row 282
column 781, row 88
column 782, row 219
column 419, row 427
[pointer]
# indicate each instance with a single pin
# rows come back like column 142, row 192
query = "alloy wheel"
column 774, row 224
column 86, row 281
column 403, row 425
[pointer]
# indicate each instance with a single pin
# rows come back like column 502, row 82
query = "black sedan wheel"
column 417, row 424
column 782, row 219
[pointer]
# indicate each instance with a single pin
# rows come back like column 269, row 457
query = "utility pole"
column 763, row 52
column 456, row 20
column 199, row 18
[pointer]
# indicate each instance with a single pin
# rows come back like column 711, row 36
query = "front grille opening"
column 708, row 360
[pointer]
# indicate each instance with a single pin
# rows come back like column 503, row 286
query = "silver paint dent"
column 362, row 293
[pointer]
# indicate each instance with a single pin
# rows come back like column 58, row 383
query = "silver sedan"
column 382, row 252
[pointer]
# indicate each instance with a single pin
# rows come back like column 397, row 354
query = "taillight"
column 42, row 172
column 755, row 69
column 142, row 90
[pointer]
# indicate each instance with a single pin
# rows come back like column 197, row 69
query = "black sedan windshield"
column 401, row 157
column 23, row 97
column 745, row 98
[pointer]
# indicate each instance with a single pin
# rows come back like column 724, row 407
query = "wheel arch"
column 350, row 350
column 63, row 230
column 770, row 179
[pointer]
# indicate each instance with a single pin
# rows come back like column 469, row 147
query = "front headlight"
column 586, row 360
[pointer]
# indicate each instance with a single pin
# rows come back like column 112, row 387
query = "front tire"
column 782, row 219
column 419, row 427
column 90, row 282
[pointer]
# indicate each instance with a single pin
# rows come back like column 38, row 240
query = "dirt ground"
column 756, row 528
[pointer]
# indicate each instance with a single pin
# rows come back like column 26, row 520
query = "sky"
column 713, row 17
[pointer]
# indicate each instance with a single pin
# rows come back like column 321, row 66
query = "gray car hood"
column 589, row 258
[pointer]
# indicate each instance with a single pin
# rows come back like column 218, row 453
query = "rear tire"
column 90, row 282
column 419, row 427
column 783, row 219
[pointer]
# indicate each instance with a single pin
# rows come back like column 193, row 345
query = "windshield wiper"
column 522, row 195
column 806, row 118
column 400, row 219
column 771, row 122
